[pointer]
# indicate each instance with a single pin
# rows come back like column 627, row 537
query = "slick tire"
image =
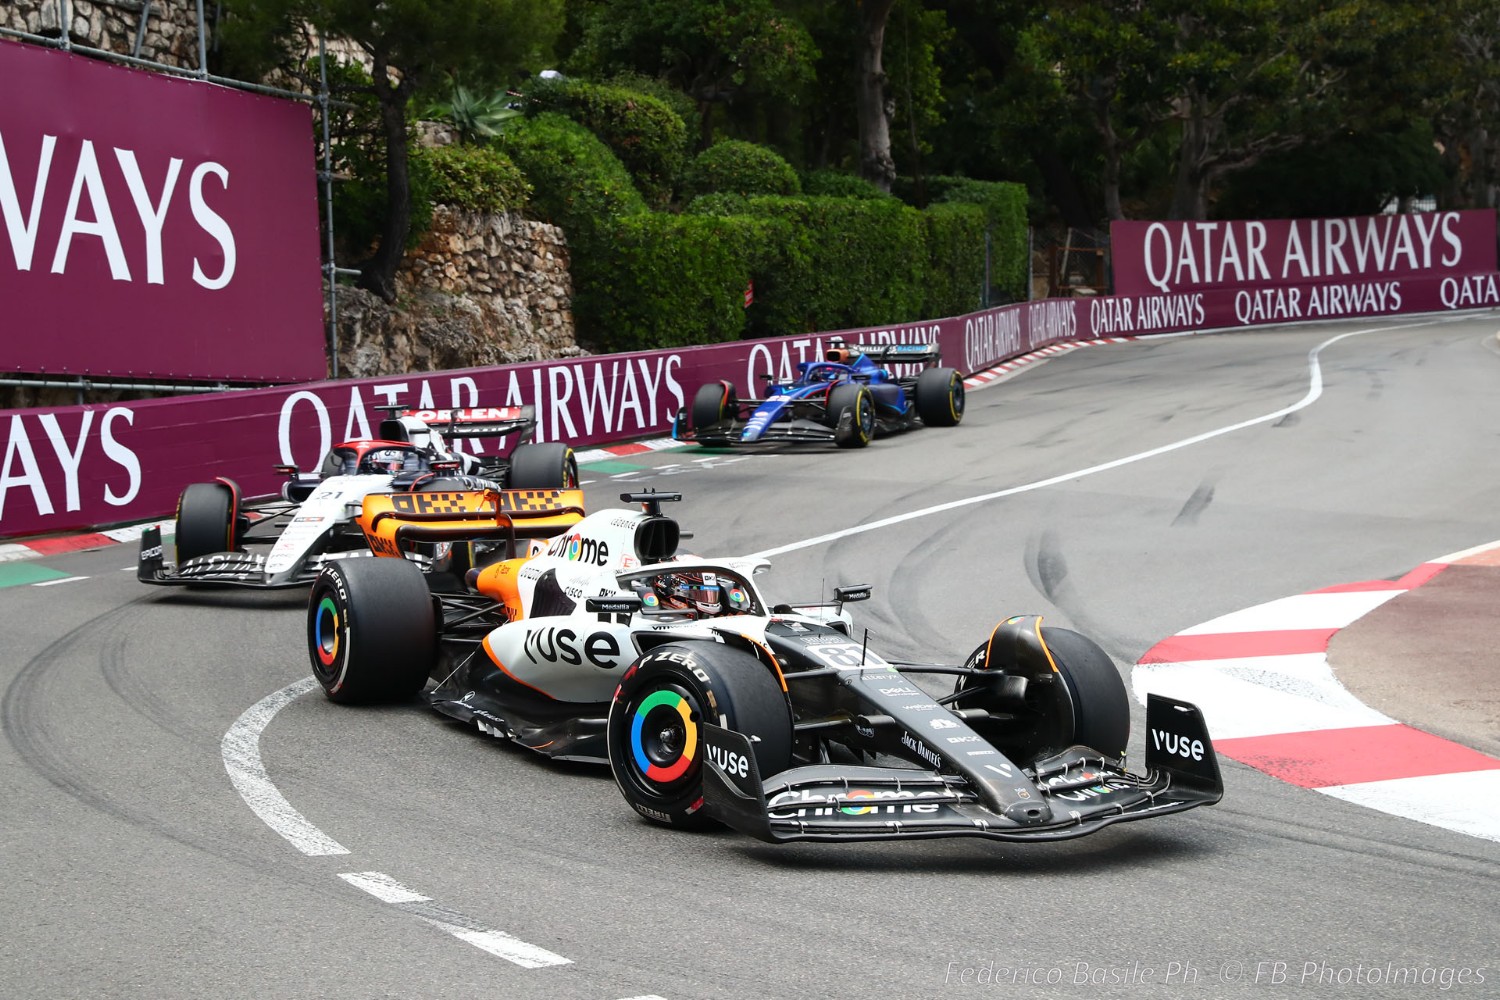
column 940, row 397
column 654, row 736
column 550, row 466
column 1087, row 704
column 371, row 630
column 713, row 403
column 856, row 402
column 206, row 521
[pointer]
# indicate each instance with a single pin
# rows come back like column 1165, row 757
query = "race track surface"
column 156, row 739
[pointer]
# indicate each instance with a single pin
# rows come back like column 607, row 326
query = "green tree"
column 716, row 52
column 406, row 46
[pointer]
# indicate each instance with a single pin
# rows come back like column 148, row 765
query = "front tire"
column 550, row 466
column 940, row 397
column 654, row 736
column 371, row 630
column 714, row 403
column 1083, row 702
column 206, row 521
column 855, row 403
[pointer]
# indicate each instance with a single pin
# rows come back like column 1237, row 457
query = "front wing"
column 1077, row 792
column 236, row 569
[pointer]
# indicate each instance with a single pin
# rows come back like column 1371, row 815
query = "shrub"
column 835, row 263
column 1005, row 213
column 475, row 179
column 736, row 167
column 670, row 281
column 955, row 259
column 576, row 182
column 648, row 136
column 834, row 184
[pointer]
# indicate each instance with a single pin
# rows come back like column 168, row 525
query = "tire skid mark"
column 25, row 711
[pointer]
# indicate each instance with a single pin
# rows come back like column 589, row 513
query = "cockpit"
column 698, row 592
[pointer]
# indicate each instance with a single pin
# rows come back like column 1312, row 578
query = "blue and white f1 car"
column 846, row 398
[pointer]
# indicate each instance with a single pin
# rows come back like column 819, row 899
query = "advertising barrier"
column 63, row 468
column 154, row 227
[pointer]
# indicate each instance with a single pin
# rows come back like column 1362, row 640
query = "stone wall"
column 478, row 290
column 112, row 25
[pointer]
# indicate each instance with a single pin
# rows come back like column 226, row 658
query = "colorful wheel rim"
column 326, row 638
column 665, row 755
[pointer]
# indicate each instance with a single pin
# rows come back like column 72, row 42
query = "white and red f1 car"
column 285, row 540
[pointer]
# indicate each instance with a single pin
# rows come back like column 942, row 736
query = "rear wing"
column 895, row 354
column 391, row 521
column 479, row 421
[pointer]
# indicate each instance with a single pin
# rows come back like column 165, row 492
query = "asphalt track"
column 1135, row 490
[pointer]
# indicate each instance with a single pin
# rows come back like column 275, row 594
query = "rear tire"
column 549, row 466
column 859, row 405
column 655, row 744
column 940, row 397
column 1084, row 703
column 371, row 630
column 206, row 521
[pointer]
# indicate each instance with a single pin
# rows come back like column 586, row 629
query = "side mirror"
column 847, row 595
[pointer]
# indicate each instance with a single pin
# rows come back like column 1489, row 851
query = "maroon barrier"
column 70, row 467
column 1189, row 256
column 152, row 226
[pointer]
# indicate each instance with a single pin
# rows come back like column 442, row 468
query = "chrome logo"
column 857, row 793
column 670, row 701
column 327, row 644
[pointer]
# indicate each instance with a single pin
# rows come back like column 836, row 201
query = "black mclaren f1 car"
column 712, row 704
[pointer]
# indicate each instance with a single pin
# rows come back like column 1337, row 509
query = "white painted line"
column 1303, row 611
column 241, row 751
column 1451, row 557
column 53, row 583
column 10, row 552
column 383, row 887
column 502, row 945
column 1315, row 390
column 1466, row 802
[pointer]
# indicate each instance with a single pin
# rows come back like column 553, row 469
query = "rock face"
column 479, row 290
column 171, row 29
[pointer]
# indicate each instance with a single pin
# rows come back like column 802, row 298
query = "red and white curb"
column 1262, row 679
column 989, row 375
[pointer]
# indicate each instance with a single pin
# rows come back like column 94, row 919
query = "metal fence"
column 1067, row 262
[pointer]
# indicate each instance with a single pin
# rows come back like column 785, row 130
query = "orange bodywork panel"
column 391, row 521
column 501, row 583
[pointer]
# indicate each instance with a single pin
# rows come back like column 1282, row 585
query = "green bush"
column 475, row 179
column 670, row 281
column 1005, row 213
column 835, row 263
column 835, row 184
column 576, row 182
column 718, row 204
column 955, row 259
column 736, row 167
column 648, row 136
